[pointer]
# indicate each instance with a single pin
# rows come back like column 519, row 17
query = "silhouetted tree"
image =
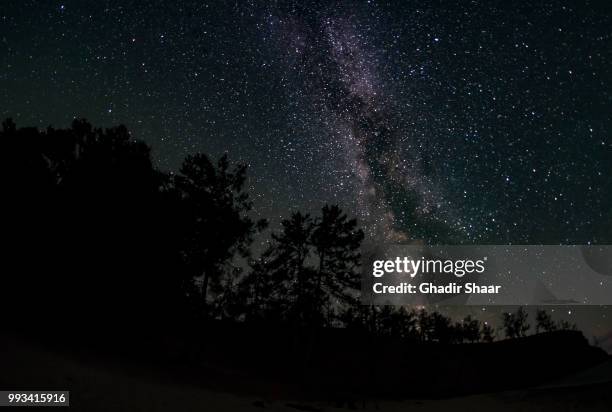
column 469, row 329
column 217, row 227
column 361, row 318
column 566, row 325
column 424, row 325
column 515, row 324
column 263, row 290
column 435, row 327
column 397, row 323
column 336, row 241
column 386, row 322
column 487, row 334
column 292, row 269
column 544, row 322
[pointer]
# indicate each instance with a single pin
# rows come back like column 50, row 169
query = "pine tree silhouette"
column 216, row 222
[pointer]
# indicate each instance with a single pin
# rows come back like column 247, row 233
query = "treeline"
column 101, row 240
column 419, row 325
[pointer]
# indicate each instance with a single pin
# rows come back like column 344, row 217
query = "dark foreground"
column 104, row 382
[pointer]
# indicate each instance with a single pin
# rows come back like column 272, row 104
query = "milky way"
column 337, row 70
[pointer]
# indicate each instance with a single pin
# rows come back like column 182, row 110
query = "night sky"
column 484, row 122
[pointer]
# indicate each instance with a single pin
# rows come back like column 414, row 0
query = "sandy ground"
column 102, row 387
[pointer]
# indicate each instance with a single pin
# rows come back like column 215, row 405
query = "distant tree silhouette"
column 468, row 330
column 566, row 325
column 362, row 318
column 544, row 322
column 441, row 329
column 487, row 333
column 397, row 323
column 435, row 327
column 387, row 321
column 515, row 324
column 424, row 325
column 420, row 325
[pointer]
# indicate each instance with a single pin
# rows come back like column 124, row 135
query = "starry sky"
column 453, row 123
